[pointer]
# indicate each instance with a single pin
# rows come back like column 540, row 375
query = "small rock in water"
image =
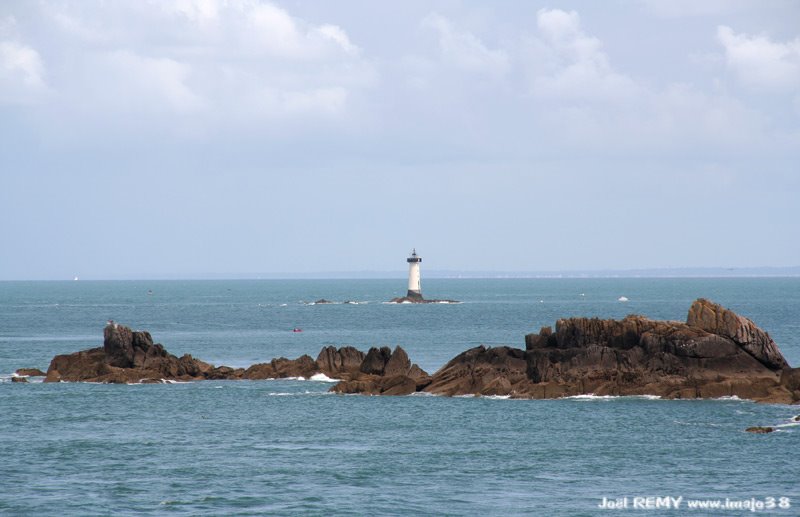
column 19, row 379
column 796, row 419
column 759, row 429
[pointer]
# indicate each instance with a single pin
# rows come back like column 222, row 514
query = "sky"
column 187, row 138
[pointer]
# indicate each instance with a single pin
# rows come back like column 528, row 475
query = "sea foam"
column 321, row 377
column 592, row 396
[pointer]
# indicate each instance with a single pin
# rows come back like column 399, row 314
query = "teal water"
column 288, row 447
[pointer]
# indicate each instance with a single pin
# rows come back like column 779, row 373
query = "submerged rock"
column 19, row 379
column 760, row 430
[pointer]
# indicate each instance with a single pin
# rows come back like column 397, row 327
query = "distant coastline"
column 677, row 272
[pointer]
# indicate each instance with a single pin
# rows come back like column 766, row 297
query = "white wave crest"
column 592, row 396
column 297, row 393
column 8, row 377
column 321, row 377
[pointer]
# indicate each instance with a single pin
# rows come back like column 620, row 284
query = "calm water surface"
column 288, row 447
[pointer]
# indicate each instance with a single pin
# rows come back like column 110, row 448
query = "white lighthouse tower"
column 414, row 287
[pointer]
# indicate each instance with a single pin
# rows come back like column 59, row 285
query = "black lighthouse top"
column 414, row 257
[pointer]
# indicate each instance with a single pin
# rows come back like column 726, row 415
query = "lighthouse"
column 414, row 288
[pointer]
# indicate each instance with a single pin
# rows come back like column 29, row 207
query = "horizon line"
column 666, row 272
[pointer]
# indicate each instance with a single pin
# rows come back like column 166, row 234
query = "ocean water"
column 288, row 447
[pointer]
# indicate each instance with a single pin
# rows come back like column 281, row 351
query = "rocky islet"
column 714, row 353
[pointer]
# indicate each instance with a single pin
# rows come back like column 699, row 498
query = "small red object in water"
column 297, row 330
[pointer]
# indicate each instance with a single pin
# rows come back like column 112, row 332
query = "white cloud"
column 330, row 100
column 582, row 101
column 74, row 26
column 201, row 12
column 16, row 58
column 679, row 117
column 339, row 36
column 153, row 83
column 688, row 8
column 569, row 64
column 761, row 64
column 21, row 72
column 276, row 33
column 252, row 27
column 682, row 111
column 463, row 49
column 240, row 61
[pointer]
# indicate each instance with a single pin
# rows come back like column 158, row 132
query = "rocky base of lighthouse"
column 417, row 298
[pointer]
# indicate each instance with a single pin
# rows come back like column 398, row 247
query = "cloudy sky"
column 194, row 137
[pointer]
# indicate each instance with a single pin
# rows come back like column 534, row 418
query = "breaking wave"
column 592, row 396
column 321, row 377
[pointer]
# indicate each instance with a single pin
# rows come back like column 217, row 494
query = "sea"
column 290, row 447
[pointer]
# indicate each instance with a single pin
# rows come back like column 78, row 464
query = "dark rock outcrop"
column 718, row 320
column 281, row 368
column 482, row 371
column 334, row 362
column 19, row 379
column 126, row 356
column 30, row 372
column 385, row 372
column 129, row 356
column 375, row 361
column 760, row 429
column 418, row 299
column 716, row 353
